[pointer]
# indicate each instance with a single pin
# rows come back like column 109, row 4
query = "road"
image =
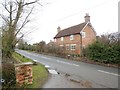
column 99, row 76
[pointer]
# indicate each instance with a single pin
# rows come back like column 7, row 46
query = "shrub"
column 101, row 52
column 8, row 74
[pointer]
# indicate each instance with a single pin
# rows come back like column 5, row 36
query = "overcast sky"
column 66, row 13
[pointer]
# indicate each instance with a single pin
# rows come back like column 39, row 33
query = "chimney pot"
column 58, row 29
column 87, row 18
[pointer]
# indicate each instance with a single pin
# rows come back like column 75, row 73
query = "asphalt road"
column 99, row 76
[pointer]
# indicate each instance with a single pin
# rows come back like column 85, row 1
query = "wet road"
column 99, row 76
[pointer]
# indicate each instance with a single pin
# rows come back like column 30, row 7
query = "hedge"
column 101, row 52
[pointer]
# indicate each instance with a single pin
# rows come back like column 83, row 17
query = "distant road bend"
column 105, row 77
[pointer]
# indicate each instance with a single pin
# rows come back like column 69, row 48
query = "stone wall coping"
column 26, row 63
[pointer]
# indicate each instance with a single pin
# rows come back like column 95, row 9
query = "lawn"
column 40, row 74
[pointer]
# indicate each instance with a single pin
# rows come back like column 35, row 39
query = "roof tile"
column 71, row 30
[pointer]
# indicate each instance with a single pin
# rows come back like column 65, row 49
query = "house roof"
column 71, row 30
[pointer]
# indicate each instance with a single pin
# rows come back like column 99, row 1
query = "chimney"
column 58, row 29
column 87, row 18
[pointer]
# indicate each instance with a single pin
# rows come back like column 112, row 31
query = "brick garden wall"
column 23, row 74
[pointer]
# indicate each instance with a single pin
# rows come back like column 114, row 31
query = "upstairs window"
column 71, row 37
column 83, row 34
column 62, row 38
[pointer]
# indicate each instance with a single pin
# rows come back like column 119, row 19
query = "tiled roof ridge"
column 72, row 26
column 75, row 29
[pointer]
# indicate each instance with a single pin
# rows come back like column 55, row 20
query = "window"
column 83, row 34
column 71, row 37
column 61, row 45
column 67, row 47
column 72, row 46
column 62, row 38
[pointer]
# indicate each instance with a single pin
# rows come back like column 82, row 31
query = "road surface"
column 99, row 76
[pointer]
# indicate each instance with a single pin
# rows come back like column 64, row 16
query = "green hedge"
column 101, row 52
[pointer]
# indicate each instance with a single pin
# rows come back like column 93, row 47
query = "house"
column 76, row 37
column 51, row 43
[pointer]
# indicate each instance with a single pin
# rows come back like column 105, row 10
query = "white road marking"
column 45, row 57
column 108, row 72
column 35, row 60
column 75, row 65
column 47, row 66
column 67, row 63
column 39, row 62
column 58, row 61
column 52, row 71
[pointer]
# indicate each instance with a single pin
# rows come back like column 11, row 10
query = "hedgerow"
column 102, row 52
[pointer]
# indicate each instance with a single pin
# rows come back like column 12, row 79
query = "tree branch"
column 15, row 42
column 6, row 20
column 30, row 3
column 5, row 6
column 10, row 13
column 40, row 4
column 24, row 23
column 18, row 13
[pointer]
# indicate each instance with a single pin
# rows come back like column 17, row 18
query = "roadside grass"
column 40, row 74
column 20, row 58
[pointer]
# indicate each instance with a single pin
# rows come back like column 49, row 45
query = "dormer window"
column 71, row 37
column 62, row 38
column 83, row 34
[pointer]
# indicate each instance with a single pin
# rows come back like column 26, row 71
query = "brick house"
column 76, row 37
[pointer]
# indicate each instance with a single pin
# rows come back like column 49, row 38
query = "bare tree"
column 15, row 17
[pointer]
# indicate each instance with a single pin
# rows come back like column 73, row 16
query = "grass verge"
column 20, row 58
column 40, row 74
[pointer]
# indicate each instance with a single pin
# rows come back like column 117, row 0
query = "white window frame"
column 73, row 47
column 61, row 45
column 71, row 37
column 62, row 38
column 83, row 34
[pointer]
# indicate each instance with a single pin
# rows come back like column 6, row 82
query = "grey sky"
column 66, row 13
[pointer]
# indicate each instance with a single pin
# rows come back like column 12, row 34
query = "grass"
column 21, row 58
column 40, row 74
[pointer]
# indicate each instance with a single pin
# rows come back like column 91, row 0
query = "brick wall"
column 90, row 38
column 67, row 41
column 23, row 74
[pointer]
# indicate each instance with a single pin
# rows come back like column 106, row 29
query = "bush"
column 101, row 52
column 8, row 74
